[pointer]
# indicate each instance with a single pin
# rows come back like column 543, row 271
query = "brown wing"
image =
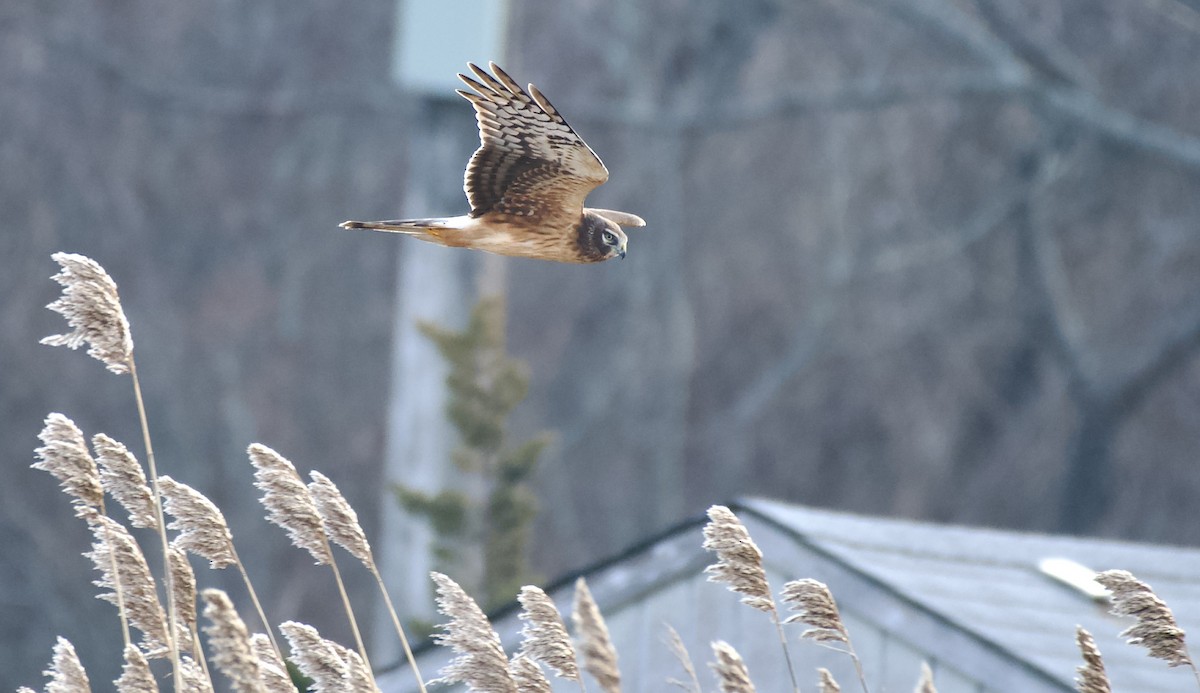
column 530, row 163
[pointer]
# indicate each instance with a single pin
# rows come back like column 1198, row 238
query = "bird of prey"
column 526, row 183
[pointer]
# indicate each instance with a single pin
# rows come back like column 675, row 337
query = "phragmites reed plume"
column 1156, row 629
column 120, row 561
column 732, row 674
column 136, row 676
column 1092, row 677
column 739, row 567
column 544, row 635
column 925, row 682
column 193, row 678
column 123, row 479
column 679, row 650
column 341, row 525
column 230, row 642
column 599, row 655
column 274, row 672
column 200, row 523
column 288, row 502
column 183, row 584
column 66, row 672
column 340, row 520
column 90, row 304
column 826, row 683
column 480, row 661
column 64, row 455
column 739, row 561
column 333, row 668
column 817, row 608
column 528, row 675
column 92, row 307
column 290, row 505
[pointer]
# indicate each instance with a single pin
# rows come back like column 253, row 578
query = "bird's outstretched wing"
column 530, row 163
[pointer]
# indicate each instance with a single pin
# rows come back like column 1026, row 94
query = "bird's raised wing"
column 530, row 163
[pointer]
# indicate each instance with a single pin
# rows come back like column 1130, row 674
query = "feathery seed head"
column 544, row 635
column 1092, row 677
column 925, row 683
column 732, row 674
column 480, row 662
column 230, row 643
column 136, row 676
column 195, row 680
column 183, row 587
column 288, row 502
column 739, row 561
column 333, row 668
column 826, row 683
column 66, row 672
column 1156, row 629
column 274, row 672
column 200, row 523
column 90, row 304
column 114, row 546
column 528, row 675
column 679, row 650
column 341, row 522
column 817, row 609
column 123, row 479
column 599, row 655
column 64, row 454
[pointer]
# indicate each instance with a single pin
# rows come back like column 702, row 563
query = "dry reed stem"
column 136, row 676
column 739, row 561
column 925, row 682
column 679, row 650
column 528, row 675
column 230, row 641
column 92, row 307
column 480, row 661
column 826, row 683
column 599, row 655
column 1156, row 629
column 544, row 635
column 731, row 671
column 66, row 672
column 1092, row 677
column 273, row 671
column 114, row 546
column 122, row 477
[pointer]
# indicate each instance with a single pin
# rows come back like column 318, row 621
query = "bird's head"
column 600, row 239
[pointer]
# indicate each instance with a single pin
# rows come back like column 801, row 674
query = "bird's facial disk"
column 614, row 240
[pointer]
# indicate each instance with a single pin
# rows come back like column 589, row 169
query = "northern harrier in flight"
column 526, row 183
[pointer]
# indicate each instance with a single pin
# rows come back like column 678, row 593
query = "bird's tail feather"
column 409, row 226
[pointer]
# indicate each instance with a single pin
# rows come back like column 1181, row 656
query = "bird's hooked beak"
column 621, row 250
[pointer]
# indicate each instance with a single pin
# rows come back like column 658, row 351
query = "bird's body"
column 526, row 184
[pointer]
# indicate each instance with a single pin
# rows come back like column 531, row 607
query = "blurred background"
column 934, row 259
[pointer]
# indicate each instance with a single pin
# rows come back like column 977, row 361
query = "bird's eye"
column 609, row 238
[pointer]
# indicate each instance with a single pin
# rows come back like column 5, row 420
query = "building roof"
column 972, row 602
